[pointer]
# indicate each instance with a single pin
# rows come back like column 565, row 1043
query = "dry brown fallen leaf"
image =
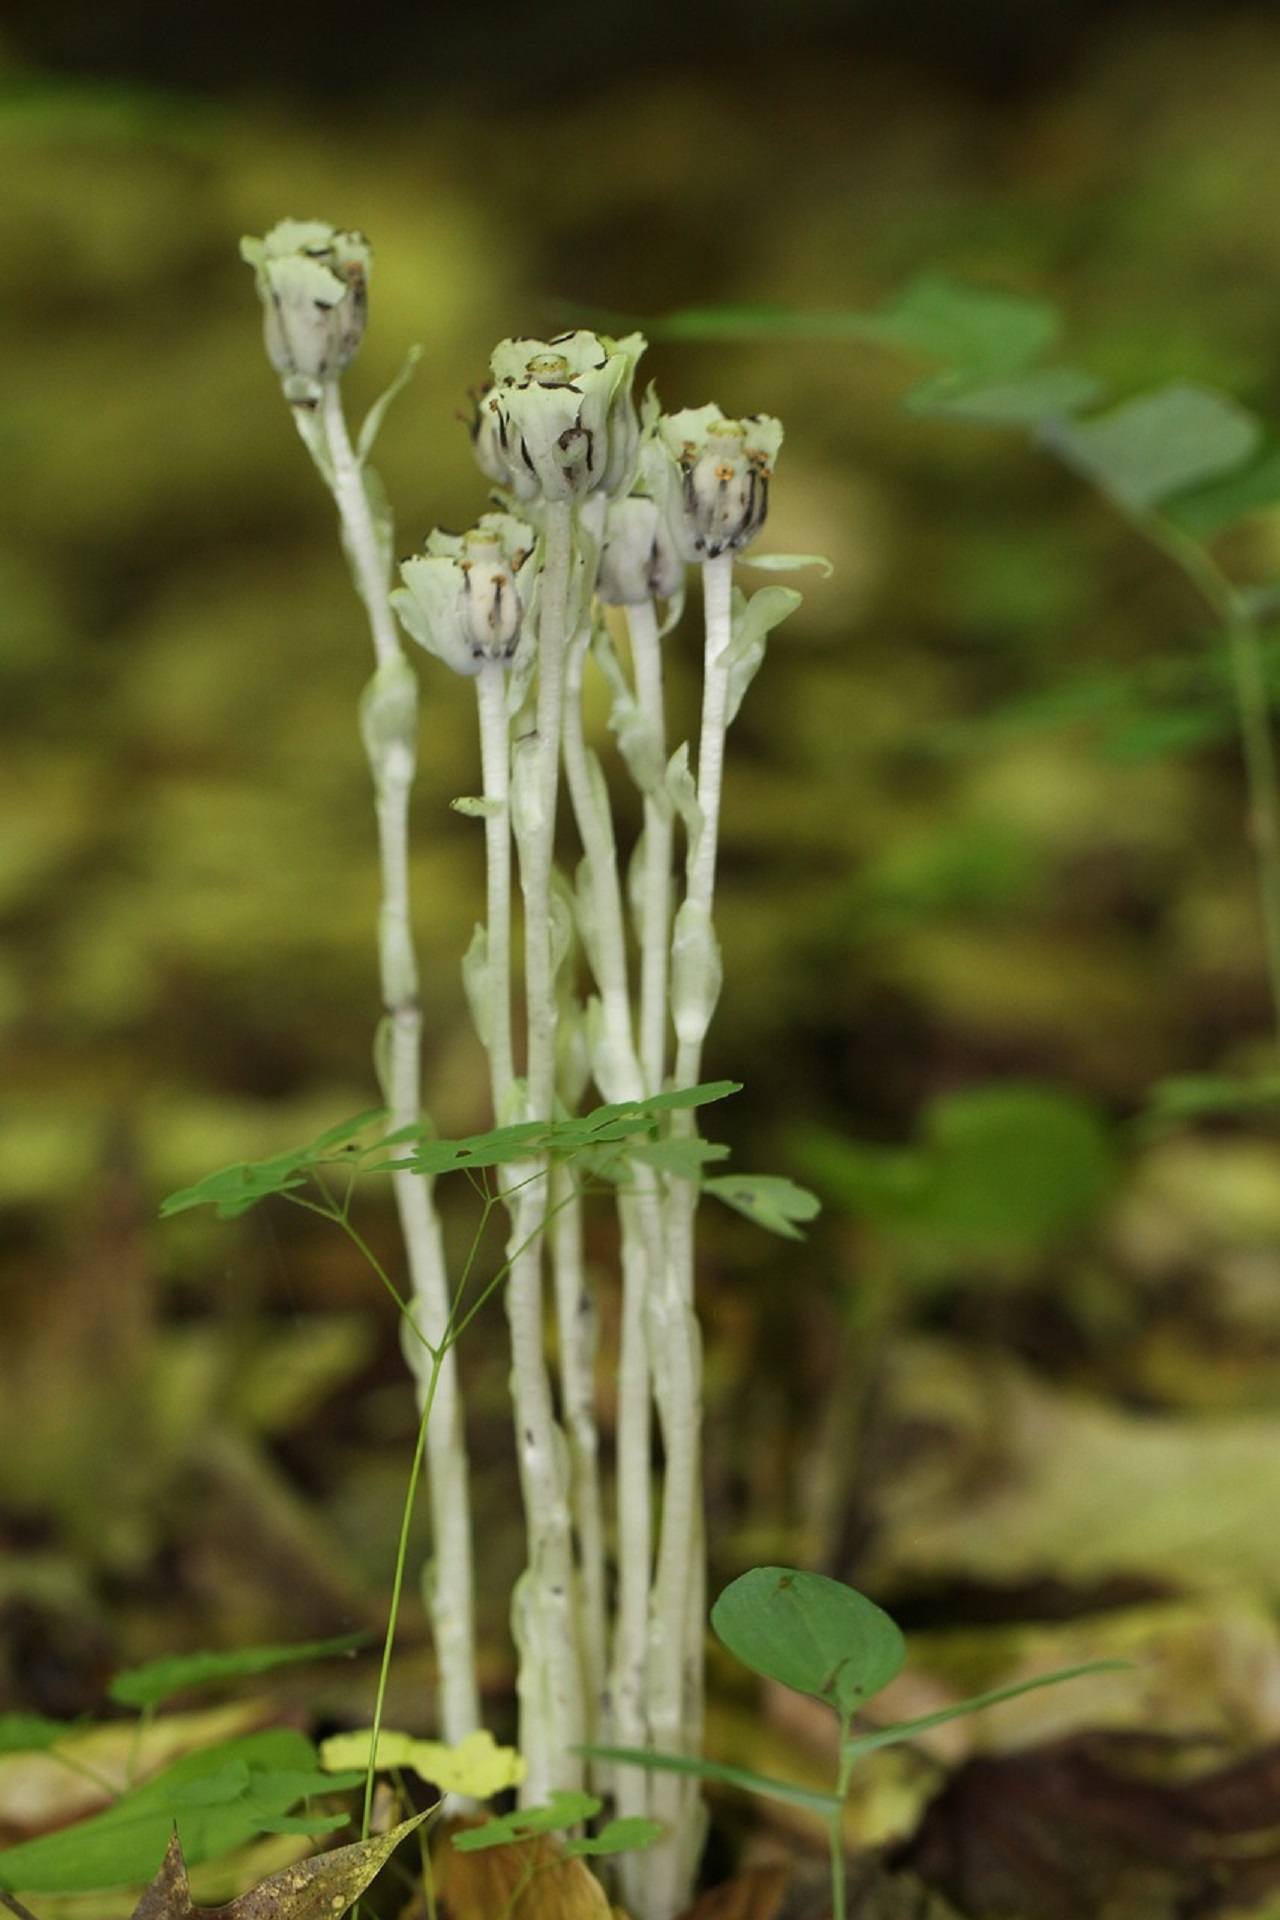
column 322, row 1888
column 530, row 1880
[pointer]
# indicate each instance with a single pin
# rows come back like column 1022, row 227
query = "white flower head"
column 639, row 560
column 718, row 478
column 313, row 281
column 557, row 421
column 462, row 598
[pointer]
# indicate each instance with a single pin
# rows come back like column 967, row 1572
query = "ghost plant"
column 603, row 986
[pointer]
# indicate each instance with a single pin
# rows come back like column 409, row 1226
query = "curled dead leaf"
column 322, row 1888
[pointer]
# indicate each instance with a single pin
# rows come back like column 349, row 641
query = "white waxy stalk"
column 617, row 1068
column 577, row 1336
column 639, row 565
column 313, row 280
column 716, row 498
column 495, row 760
column 553, row 1707
column 619, row 1076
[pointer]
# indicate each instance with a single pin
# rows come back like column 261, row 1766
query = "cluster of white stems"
column 609, row 982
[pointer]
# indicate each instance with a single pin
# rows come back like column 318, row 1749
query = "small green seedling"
column 826, row 1640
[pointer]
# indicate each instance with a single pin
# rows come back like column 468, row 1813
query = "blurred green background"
column 985, row 821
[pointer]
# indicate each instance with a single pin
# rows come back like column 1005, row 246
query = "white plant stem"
column 552, row 1704
column 717, row 604
column 634, row 1499
column 537, row 851
column 655, row 886
column 615, row 1063
column 620, row 1077
column 451, row 1592
column 495, row 760
column 576, row 1330
column 676, row 1629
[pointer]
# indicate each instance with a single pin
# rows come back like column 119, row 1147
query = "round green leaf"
column 811, row 1633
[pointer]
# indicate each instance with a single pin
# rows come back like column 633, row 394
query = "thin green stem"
column 340, row 1218
column 1253, row 704
column 835, row 1841
column 397, row 1590
column 835, row 1823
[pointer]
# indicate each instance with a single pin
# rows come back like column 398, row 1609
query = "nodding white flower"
column 639, row 560
column 461, row 599
column 718, row 492
column 313, row 281
column 557, row 421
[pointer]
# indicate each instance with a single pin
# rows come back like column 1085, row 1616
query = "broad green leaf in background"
column 32, row 1733
column 1165, row 703
column 811, row 1633
column 933, row 315
column 966, row 325
column 220, row 1797
column 159, row 1680
column 1159, row 444
column 1016, row 399
column 1013, row 1164
column 1206, row 510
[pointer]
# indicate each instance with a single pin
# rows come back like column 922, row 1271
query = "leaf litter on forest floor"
column 530, row 1880
column 322, row 1888
column 1014, row 1480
